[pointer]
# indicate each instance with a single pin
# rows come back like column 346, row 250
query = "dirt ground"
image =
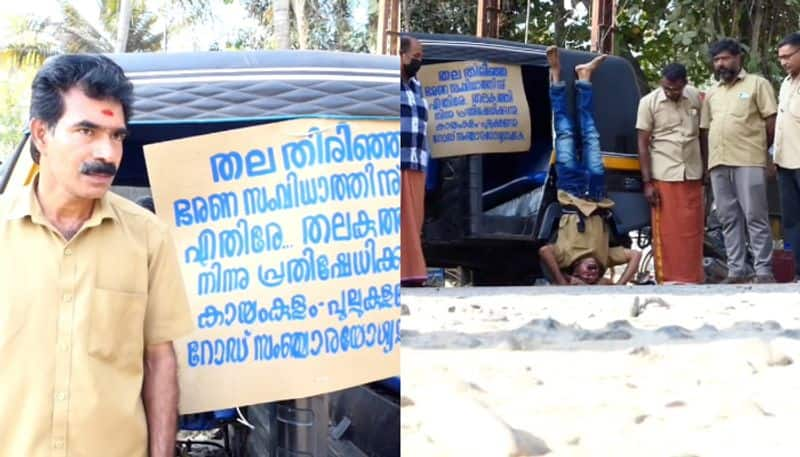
column 606, row 371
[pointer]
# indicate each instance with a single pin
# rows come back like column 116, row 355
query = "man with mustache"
column 787, row 142
column 737, row 126
column 88, row 362
column 414, row 155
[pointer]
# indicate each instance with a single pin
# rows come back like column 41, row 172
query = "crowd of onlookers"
column 726, row 142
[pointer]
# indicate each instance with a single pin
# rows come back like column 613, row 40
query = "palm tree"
column 27, row 42
column 282, row 28
column 77, row 34
column 299, row 10
column 124, row 14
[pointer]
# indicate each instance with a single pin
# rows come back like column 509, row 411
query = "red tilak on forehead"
column 107, row 112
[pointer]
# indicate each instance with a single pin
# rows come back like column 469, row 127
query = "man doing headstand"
column 581, row 252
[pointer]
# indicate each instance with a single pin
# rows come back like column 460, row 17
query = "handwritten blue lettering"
column 244, row 239
column 448, row 102
column 320, row 228
column 484, row 70
column 330, row 341
column 220, row 351
column 219, row 280
column 338, row 187
column 296, row 308
column 434, row 91
column 311, row 267
column 356, row 302
column 230, row 166
column 200, row 210
column 318, row 149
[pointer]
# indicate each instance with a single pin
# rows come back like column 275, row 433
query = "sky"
column 226, row 19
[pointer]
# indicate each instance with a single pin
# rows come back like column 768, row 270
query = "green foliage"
column 460, row 17
column 14, row 108
column 330, row 25
column 649, row 33
column 447, row 16
column 28, row 40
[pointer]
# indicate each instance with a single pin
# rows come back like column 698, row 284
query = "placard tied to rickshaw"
column 475, row 108
column 288, row 240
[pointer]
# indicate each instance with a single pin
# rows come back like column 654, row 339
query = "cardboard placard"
column 288, row 238
column 475, row 108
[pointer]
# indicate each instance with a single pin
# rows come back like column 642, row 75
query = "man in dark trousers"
column 737, row 126
column 787, row 143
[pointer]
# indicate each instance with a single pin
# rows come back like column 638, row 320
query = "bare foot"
column 555, row 63
column 585, row 70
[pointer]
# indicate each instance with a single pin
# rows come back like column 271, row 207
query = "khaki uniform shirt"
column 734, row 116
column 675, row 134
column 572, row 244
column 787, row 125
column 75, row 319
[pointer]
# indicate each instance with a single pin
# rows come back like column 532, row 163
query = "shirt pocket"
column 740, row 107
column 116, row 326
column 667, row 119
column 693, row 115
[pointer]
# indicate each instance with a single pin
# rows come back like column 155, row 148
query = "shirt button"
column 67, row 298
column 61, row 396
column 68, row 252
column 58, row 444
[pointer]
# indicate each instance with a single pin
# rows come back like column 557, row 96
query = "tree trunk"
column 405, row 15
column 342, row 15
column 735, row 19
column 123, row 25
column 755, row 34
column 710, row 19
column 773, row 12
column 559, row 16
column 299, row 8
column 280, row 19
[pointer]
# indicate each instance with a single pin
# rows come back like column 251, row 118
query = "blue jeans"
column 584, row 179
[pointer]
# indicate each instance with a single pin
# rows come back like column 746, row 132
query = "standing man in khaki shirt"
column 672, row 169
column 787, row 142
column 737, row 125
column 92, row 290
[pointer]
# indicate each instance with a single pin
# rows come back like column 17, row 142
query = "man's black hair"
column 725, row 44
column 792, row 39
column 674, row 72
column 96, row 75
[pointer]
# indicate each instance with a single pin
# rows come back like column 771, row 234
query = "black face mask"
column 412, row 68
